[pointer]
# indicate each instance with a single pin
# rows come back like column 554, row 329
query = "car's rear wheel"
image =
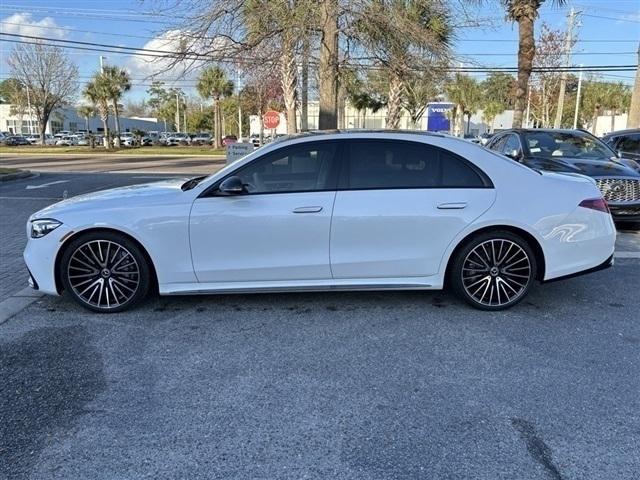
column 105, row 272
column 494, row 270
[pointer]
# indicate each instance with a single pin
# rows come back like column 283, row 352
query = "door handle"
column 452, row 206
column 307, row 210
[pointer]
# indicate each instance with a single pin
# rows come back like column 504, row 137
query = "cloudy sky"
column 608, row 34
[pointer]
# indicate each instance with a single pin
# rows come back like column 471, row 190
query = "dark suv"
column 625, row 142
column 577, row 151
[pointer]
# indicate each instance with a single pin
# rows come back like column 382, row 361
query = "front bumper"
column 625, row 212
column 40, row 256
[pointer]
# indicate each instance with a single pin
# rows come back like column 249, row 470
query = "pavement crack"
column 536, row 447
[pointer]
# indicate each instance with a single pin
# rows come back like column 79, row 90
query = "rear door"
column 398, row 207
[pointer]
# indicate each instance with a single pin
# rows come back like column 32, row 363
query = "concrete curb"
column 626, row 255
column 15, row 176
column 18, row 302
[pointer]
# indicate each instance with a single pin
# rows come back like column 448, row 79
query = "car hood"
column 592, row 168
column 130, row 196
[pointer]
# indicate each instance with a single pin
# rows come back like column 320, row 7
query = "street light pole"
column 575, row 115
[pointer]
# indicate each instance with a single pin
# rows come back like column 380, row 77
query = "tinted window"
column 630, row 144
column 512, row 143
column 497, row 143
column 303, row 168
column 396, row 164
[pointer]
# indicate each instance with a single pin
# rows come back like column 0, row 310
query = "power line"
column 90, row 46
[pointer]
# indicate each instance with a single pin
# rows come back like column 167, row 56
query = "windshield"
column 566, row 144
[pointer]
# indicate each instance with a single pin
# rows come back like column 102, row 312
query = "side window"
column 456, row 173
column 497, row 143
column 303, row 168
column 630, row 144
column 379, row 164
column 383, row 164
column 512, row 143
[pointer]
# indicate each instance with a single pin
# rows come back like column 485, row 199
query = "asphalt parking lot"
column 345, row 385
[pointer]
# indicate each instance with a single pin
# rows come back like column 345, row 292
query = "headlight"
column 39, row 228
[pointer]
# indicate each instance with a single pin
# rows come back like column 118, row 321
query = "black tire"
column 105, row 272
column 495, row 281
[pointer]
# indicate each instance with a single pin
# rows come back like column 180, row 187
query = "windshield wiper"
column 189, row 184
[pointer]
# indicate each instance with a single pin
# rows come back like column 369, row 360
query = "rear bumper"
column 603, row 266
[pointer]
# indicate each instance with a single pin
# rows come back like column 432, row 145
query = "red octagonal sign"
column 271, row 119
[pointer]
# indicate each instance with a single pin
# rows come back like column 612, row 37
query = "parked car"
column 67, row 141
column 126, row 139
column 625, row 142
column 396, row 210
column 577, row 152
column 33, row 139
column 15, row 140
column 83, row 140
column 228, row 140
column 202, row 138
column 177, row 139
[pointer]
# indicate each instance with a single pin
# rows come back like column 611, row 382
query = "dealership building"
column 16, row 122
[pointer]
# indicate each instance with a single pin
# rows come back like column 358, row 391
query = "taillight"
column 599, row 204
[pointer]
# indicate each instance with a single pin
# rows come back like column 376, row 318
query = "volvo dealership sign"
column 438, row 114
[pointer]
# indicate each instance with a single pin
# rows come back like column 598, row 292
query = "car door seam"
column 333, row 206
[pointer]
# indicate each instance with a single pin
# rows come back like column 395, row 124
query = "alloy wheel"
column 103, row 274
column 496, row 272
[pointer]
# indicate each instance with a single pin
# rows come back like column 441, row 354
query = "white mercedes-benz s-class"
column 341, row 210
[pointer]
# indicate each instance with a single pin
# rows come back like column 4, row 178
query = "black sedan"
column 625, row 142
column 577, row 151
column 15, row 140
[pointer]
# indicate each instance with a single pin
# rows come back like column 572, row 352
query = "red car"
column 228, row 140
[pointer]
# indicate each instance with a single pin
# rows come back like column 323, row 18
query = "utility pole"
column 177, row 112
column 563, row 78
column 102, row 59
column 239, row 105
column 633, row 120
column 575, row 115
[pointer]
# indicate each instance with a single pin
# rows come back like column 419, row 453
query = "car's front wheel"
column 494, row 271
column 105, row 272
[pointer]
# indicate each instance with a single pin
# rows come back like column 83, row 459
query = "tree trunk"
column 104, row 116
column 304, row 84
column 43, row 127
column 394, row 104
column 288, row 77
column 526, row 52
column 613, row 121
column 328, row 67
column 86, row 124
column 216, row 124
column 116, row 118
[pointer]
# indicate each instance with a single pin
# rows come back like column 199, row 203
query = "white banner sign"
column 235, row 151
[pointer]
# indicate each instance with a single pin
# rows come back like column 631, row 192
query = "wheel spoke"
column 496, row 272
column 103, row 274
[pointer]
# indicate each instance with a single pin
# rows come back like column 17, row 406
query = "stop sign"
column 271, row 119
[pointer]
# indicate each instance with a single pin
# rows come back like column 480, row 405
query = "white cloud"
column 24, row 24
column 160, row 68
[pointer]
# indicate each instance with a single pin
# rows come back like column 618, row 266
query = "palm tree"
column 464, row 92
column 97, row 93
column 213, row 83
column 117, row 81
column 86, row 112
column 524, row 12
column 402, row 35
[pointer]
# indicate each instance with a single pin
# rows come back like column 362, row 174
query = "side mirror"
column 232, row 186
column 619, row 153
column 515, row 154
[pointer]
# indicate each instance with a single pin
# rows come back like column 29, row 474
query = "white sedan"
column 336, row 211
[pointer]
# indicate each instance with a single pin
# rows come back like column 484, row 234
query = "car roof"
column 355, row 132
column 628, row 131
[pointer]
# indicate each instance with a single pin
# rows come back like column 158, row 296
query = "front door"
column 278, row 230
